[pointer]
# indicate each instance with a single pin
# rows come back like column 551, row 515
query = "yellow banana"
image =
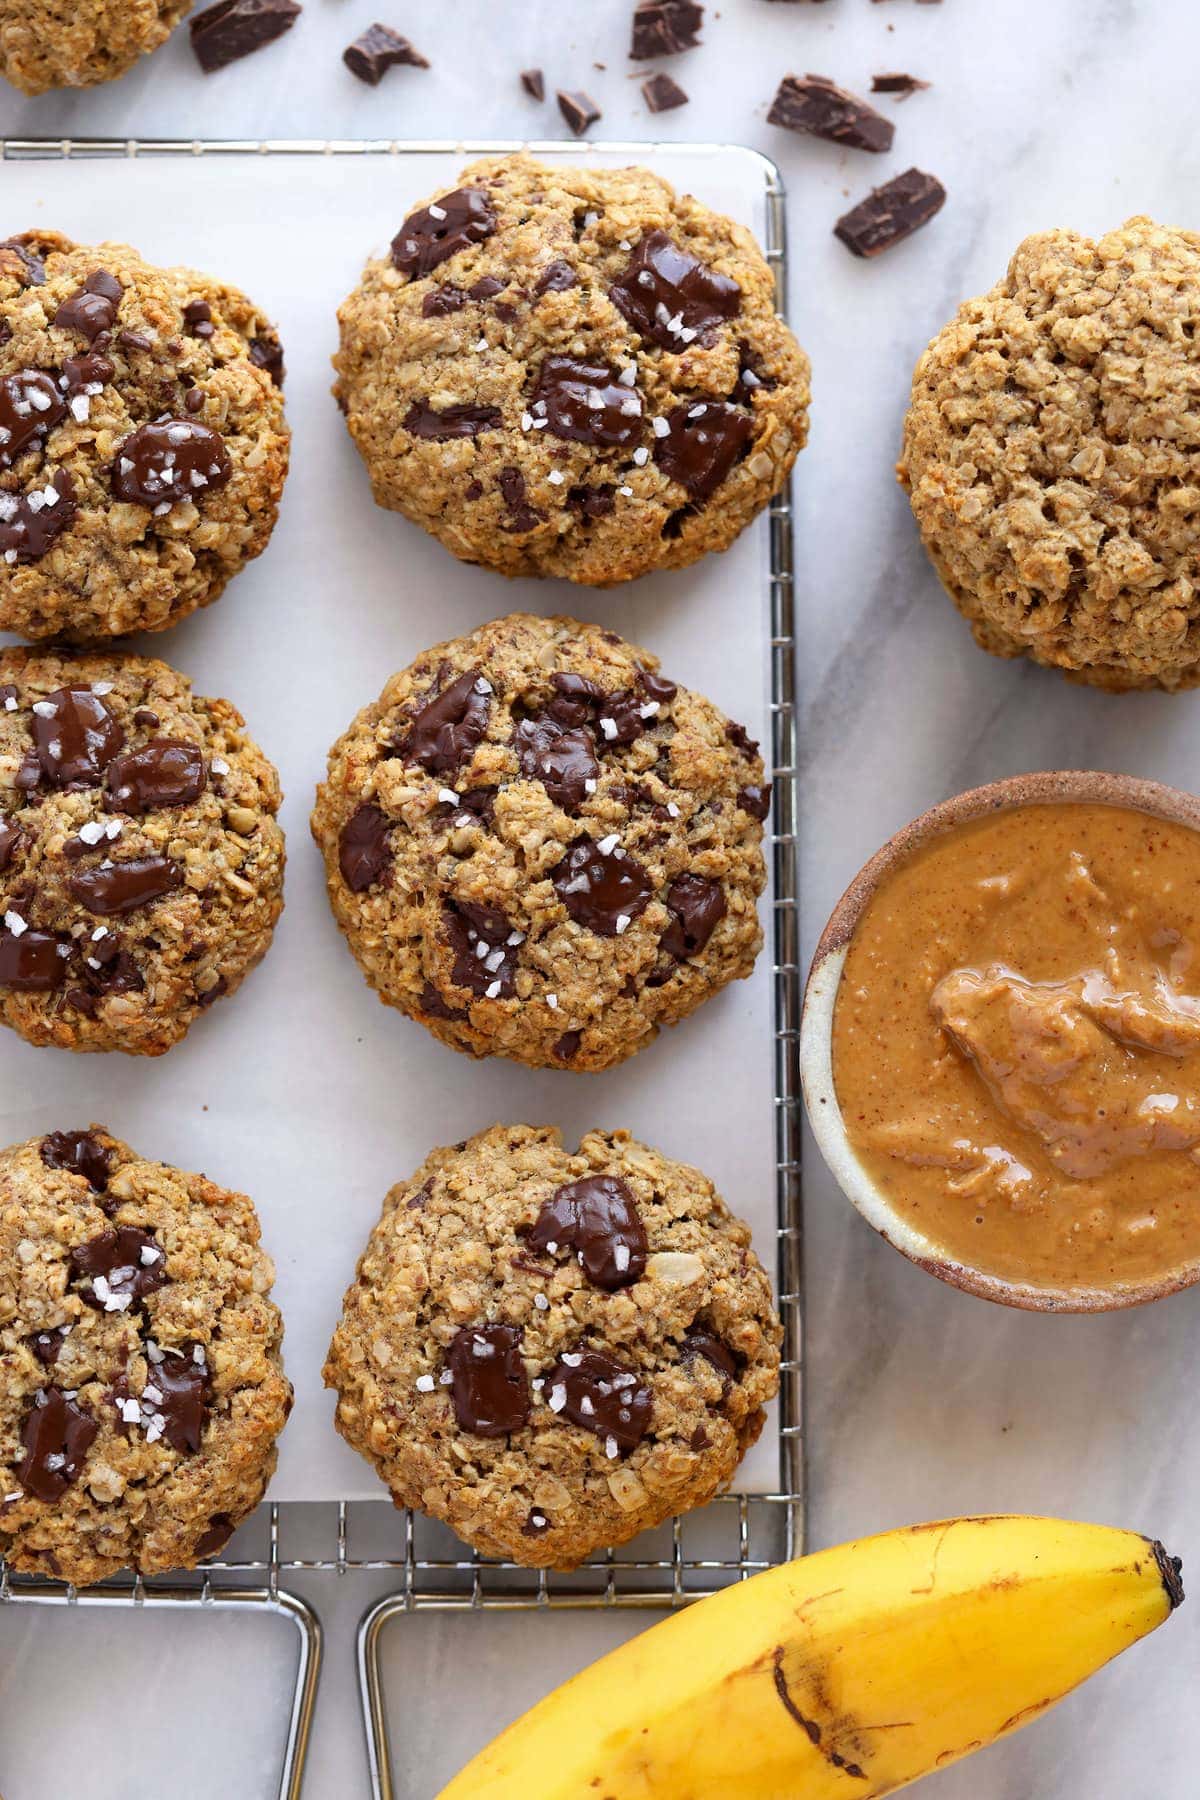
column 844, row 1675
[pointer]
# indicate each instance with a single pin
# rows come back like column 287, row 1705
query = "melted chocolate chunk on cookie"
column 57, row 1435
column 440, row 230
column 656, row 686
column 10, row 838
column 87, row 374
column 490, row 1388
column 602, row 888
column 92, row 311
column 118, row 1268
column 564, row 761
column 556, row 278
column 75, row 736
column 484, row 953
column 47, row 1345
column 424, row 421
column 266, row 353
column 432, row 1003
column 522, row 516
column 566, row 1048
column 576, row 698
column 215, row 1536
column 163, row 772
column 672, row 298
column 755, row 799
column 170, row 460
column 440, row 301
column 364, row 854
column 596, row 1218
column 592, row 501
column 176, row 1395
column 444, row 734
column 586, row 403
column 698, row 906
column 751, row 375
column 698, row 1342
column 537, row 1523
column 704, row 442
column 740, row 738
column 30, row 406
column 31, row 963
column 79, row 1153
column 31, row 524
column 124, row 887
column 486, row 288
column 107, row 969
column 197, row 319
column 594, row 1390
column 22, row 264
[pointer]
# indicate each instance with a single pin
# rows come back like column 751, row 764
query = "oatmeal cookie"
column 141, row 1384
column 541, row 848
column 1051, row 452
column 552, row 1352
column 141, row 866
column 77, row 43
column 143, row 446
column 572, row 371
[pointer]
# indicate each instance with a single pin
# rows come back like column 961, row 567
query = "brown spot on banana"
column 1171, row 1570
column 810, row 1727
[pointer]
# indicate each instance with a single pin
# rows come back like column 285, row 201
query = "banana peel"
column 844, row 1675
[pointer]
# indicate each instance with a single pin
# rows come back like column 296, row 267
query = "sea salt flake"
column 607, row 845
column 425, row 1384
column 641, row 456
column 611, row 1448
column 15, row 923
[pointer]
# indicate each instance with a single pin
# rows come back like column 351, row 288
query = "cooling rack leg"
column 304, row 1696
column 370, row 1692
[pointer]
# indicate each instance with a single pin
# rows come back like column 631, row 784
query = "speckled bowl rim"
column 1079, row 786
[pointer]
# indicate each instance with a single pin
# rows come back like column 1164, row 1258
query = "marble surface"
column 922, row 1402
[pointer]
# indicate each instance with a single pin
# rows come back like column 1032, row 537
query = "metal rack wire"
column 737, row 1535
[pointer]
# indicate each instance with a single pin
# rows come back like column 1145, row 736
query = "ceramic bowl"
column 816, row 1035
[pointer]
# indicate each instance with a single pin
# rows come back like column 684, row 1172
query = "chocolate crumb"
column 578, row 109
column 534, row 83
column 661, row 93
column 900, row 85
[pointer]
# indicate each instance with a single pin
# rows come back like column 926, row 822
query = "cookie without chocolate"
column 572, row 371
column 44, row 44
column 1050, row 453
column 141, row 1385
column 541, row 848
column 143, row 446
column 141, row 867
column 552, row 1352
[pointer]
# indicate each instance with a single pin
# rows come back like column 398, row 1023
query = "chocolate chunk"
column 592, row 501
column 30, row 963
column 164, row 772
column 197, row 319
column 534, row 83
column 656, row 686
column 87, row 374
column 79, row 1153
column 594, row 1390
column 664, row 27
column 490, row 1388
column 134, row 340
column 76, row 736
column 698, row 906
column 661, row 94
column 755, row 800
column 10, row 837
column 578, row 109
column 57, row 1435
column 425, row 421
column 586, row 403
column 556, row 278
column 892, row 213
column 485, row 288
column 566, row 1048
column 91, row 311
column 442, row 300
column 364, row 853
column 484, row 959
column 705, row 440
column 107, row 969
column 815, row 105
column 598, row 1219
column 378, row 50
column 47, row 1345
column 441, row 229
column 170, row 460
column 740, row 738
column 30, row 406
column 124, row 887
column 603, row 890
column 900, row 85
column 670, row 297
column 444, row 733
column 618, row 716
column 147, row 719
column 177, row 1391
column 563, row 761
column 215, row 1537
column 231, row 29
column 536, row 1525
column 30, row 524
column 29, row 773
column 699, row 1342
column 750, row 374
column 29, row 268
column 431, row 1002
column 266, row 353
column 522, row 516
column 118, row 1267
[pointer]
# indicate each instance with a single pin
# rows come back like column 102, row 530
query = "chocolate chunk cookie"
column 553, row 1352
column 541, row 847
column 141, row 867
column 141, row 1385
column 46, row 44
column 143, row 446
column 1050, row 454
column 570, row 371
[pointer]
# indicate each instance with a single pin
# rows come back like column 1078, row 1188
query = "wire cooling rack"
column 734, row 1537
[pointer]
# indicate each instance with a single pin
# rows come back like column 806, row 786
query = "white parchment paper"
column 303, row 1090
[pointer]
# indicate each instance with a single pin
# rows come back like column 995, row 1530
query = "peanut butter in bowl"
column 1001, row 1043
